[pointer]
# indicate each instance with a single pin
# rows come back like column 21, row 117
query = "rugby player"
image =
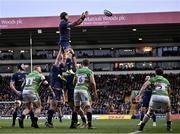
column 145, row 103
column 65, row 27
column 57, row 84
column 159, row 99
column 72, row 65
column 17, row 84
column 31, row 97
column 84, row 83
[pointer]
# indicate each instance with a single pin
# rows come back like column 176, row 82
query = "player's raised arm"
column 58, row 58
column 144, row 86
column 80, row 20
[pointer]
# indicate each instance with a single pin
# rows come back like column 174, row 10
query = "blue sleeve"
column 13, row 78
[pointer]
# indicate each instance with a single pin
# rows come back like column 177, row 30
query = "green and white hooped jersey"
column 160, row 84
column 33, row 81
column 83, row 74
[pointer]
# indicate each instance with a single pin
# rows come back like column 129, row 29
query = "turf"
column 103, row 126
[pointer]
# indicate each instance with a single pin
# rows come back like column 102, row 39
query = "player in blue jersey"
column 56, row 100
column 17, row 84
column 65, row 27
column 145, row 103
column 72, row 65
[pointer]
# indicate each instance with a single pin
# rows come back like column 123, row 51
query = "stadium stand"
column 112, row 90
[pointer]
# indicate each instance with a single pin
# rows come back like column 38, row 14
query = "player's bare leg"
column 143, row 111
column 37, row 111
column 24, row 113
column 145, row 119
column 168, row 118
column 88, row 111
column 81, row 113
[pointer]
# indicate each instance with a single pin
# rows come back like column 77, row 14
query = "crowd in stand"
column 112, row 90
column 108, row 53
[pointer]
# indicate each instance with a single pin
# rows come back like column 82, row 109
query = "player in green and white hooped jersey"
column 84, row 82
column 31, row 97
column 159, row 98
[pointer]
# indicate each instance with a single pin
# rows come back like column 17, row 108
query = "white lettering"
column 8, row 22
column 19, row 21
column 11, row 22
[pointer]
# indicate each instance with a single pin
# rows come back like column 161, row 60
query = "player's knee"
column 87, row 108
column 37, row 112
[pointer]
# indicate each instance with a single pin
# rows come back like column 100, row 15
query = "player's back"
column 83, row 78
column 65, row 31
column 160, row 85
column 19, row 79
column 33, row 81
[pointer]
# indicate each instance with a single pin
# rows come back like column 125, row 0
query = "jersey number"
column 81, row 79
column 161, row 86
column 29, row 81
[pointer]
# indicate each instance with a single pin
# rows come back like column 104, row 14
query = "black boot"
column 169, row 126
column 35, row 122
column 21, row 121
column 74, row 120
column 141, row 127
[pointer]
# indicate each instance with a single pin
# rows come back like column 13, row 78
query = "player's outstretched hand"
column 84, row 15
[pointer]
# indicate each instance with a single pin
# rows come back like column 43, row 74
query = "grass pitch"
column 103, row 126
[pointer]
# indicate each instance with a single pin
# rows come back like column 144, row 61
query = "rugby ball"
column 107, row 13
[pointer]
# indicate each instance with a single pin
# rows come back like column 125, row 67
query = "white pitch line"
column 135, row 132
